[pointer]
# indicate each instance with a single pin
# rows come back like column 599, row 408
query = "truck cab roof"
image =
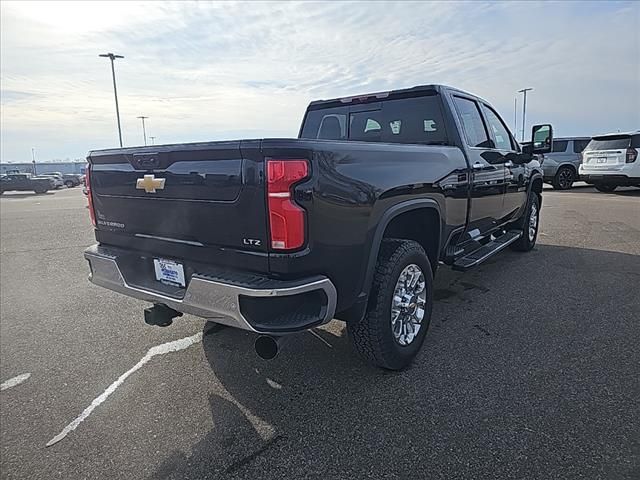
column 399, row 93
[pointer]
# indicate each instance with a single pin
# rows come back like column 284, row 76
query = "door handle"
column 508, row 164
column 477, row 166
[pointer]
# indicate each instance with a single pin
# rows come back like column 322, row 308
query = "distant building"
column 44, row 167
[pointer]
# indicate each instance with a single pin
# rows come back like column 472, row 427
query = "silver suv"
column 561, row 165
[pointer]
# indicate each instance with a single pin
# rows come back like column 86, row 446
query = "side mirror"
column 541, row 138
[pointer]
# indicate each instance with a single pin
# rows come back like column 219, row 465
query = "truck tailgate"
column 205, row 201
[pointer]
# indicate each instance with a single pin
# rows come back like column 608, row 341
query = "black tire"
column 605, row 188
column 564, row 178
column 69, row 184
column 527, row 241
column 40, row 191
column 372, row 337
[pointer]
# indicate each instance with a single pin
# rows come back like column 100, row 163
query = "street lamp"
column 144, row 132
column 112, row 57
column 515, row 116
column 153, row 140
column 524, row 108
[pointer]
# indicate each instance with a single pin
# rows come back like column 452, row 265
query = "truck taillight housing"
column 632, row 154
column 87, row 181
column 286, row 218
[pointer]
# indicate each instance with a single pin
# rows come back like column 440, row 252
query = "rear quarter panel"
column 352, row 185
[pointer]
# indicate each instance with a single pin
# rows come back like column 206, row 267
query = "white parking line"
column 12, row 382
column 174, row 346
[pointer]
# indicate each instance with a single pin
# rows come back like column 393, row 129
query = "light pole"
column 515, row 116
column 153, row 140
column 144, row 132
column 524, row 108
column 112, row 57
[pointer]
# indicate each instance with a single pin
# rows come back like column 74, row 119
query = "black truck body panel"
column 213, row 208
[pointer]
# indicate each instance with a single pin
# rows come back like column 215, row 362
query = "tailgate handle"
column 149, row 160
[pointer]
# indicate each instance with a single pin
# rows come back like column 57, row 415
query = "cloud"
column 207, row 71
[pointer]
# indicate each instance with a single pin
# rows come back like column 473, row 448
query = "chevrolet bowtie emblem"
column 150, row 184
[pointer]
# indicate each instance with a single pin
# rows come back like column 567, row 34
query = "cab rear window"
column 406, row 120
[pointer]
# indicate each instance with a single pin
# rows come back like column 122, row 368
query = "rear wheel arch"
column 419, row 220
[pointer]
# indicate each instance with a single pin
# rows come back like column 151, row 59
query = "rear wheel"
column 40, row 191
column 393, row 329
column 530, row 224
column 564, row 178
column 605, row 188
column 69, row 184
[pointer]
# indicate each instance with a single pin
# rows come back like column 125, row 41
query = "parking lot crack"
column 483, row 330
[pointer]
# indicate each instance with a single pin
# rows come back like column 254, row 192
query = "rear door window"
column 559, row 146
column 472, row 123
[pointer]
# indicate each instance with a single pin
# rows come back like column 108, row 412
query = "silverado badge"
column 150, row 184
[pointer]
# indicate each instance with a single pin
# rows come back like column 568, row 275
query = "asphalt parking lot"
column 530, row 368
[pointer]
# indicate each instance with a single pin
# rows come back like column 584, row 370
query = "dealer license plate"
column 168, row 271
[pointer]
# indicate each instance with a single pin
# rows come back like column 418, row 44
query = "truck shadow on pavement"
column 520, row 376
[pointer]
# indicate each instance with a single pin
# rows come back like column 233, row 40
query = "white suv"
column 611, row 161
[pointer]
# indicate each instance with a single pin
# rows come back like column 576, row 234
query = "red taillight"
column 87, row 180
column 632, row 154
column 286, row 219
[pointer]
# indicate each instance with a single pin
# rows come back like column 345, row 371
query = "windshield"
column 406, row 120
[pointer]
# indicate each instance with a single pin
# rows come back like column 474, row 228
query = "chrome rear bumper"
column 217, row 300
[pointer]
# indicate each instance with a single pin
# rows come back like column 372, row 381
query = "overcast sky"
column 211, row 71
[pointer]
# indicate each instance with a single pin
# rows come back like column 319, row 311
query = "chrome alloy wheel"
column 533, row 222
column 407, row 305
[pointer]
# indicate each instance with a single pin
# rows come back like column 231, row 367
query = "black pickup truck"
column 348, row 221
column 25, row 182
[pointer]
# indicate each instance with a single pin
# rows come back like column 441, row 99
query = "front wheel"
column 530, row 224
column 394, row 327
column 605, row 188
column 69, row 184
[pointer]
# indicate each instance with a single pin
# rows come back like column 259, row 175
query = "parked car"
column 350, row 220
column 72, row 179
column 561, row 165
column 57, row 178
column 26, row 182
column 611, row 161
